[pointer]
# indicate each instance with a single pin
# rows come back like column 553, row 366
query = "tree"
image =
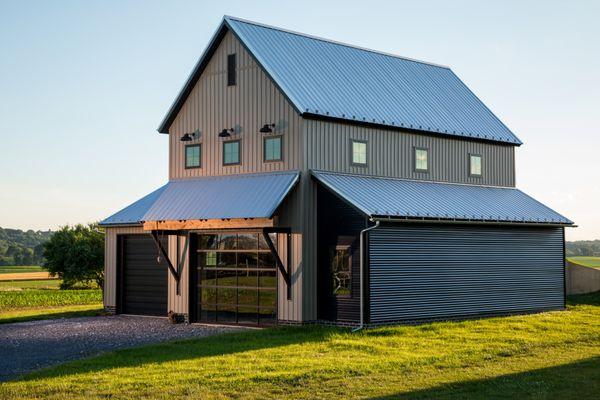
column 76, row 255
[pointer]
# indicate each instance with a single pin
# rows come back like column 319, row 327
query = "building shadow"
column 579, row 380
column 591, row 299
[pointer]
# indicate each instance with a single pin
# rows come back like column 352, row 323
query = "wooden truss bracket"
column 175, row 272
column 284, row 272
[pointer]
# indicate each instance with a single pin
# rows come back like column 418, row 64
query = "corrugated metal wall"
column 436, row 271
column 213, row 106
column 290, row 310
column 110, row 261
column 390, row 153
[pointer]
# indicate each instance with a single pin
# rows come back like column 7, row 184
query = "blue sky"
column 84, row 84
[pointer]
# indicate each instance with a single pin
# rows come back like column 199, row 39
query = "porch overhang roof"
column 381, row 198
column 249, row 200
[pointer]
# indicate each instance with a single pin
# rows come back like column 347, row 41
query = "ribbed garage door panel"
column 437, row 271
column 144, row 279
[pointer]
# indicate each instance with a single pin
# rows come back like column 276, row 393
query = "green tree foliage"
column 18, row 247
column 586, row 248
column 76, row 255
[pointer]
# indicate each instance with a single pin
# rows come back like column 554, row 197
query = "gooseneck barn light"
column 225, row 133
column 267, row 128
column 188, row 137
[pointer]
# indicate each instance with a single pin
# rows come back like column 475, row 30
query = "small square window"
column 359, row 152
column 272, row 148
column 421, row 159
column 475, row 165
column 231, row 152
column 193, row 154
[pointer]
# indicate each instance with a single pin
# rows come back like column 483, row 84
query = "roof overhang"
column 221, row 202
column 402, row 200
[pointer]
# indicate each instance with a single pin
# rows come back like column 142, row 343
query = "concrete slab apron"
column 27, row 346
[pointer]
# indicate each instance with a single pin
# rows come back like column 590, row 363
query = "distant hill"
column 586, row 248
column 19, row 247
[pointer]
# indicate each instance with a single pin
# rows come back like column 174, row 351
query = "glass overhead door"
column 237, row 279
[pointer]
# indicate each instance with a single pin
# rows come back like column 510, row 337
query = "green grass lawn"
column 593, row 262
column 29, row 300
column 11, row 269
column 542, row 356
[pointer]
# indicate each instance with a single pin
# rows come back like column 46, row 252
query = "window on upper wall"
column 193, row 156
column 341, row 272
column 359, row 152
column 272, row 148
column 421, row 157
column 475, row 165
column 231, row 152
column 231, row 69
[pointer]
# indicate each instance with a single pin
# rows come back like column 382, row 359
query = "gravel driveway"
column 26, row 346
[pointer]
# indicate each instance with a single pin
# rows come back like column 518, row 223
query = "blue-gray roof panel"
column 233, row 196
column 389, row 197
column 134, row 213
column 327, row 78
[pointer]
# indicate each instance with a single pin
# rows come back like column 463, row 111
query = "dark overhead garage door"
column 422, row 271
column 143, row 278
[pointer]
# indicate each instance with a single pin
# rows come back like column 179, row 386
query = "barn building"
column 311, row 180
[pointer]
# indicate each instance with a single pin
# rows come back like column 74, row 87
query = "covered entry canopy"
column 381, row 198
column 249, row 200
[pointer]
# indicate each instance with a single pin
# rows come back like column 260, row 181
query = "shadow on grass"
column 580, row 380
column 592, row 299
column 218, row 345
column 54, row 315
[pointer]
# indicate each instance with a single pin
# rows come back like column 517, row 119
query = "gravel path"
column 27, row 346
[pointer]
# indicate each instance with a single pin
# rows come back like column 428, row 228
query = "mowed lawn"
column 41, row 299
column 593, row 262
column 553, row 355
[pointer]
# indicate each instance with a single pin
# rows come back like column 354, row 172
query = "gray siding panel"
column 437, row 271
column 390, row 154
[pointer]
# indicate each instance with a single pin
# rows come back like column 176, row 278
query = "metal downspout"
column 362, row 262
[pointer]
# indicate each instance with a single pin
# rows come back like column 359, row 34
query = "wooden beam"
column 235, row 223
column 165, row 255
column 282, row 270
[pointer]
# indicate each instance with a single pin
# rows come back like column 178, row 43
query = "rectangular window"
column 231, row 70
column 341, row 262
column 272, row 148
column 359, row 152
column 193, row 154
column 475, row 168
column 421, row 159
column 231, row 152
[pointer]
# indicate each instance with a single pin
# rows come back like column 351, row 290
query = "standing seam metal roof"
column 400, row 198
column 323, row 78
column 218, row 197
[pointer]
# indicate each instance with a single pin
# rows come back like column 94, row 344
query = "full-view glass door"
column 237, row 279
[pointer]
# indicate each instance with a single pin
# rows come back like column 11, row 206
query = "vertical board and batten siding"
column 290, row 310
column 110, row 261
column 213, row 106
column 390, row 154
column 419, row 271
column 178, row 303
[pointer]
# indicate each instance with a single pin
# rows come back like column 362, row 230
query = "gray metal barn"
column 311, row 180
